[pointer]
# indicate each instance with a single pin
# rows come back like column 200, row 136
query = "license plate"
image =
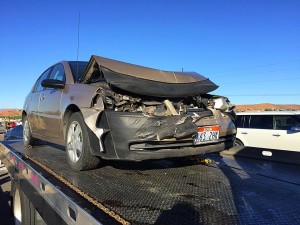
column 207, row 134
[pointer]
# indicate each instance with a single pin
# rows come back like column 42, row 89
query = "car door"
column 32, row 104
column 256, row 131
column 49, row 106
column 283, row 138
column 242, row 124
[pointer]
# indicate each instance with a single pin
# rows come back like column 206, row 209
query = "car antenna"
column 78, row 32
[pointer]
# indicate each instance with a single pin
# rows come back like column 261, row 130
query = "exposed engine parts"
column 156, row 107
column 175, row 118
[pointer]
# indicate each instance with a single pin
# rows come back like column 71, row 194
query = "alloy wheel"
column 26, row 131
column 74, row 142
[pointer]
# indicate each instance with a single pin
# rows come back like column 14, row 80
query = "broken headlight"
column 223, row 104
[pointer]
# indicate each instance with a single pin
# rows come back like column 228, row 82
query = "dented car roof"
column 147, row 81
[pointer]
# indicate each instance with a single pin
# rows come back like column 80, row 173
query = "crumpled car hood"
column 147, row 81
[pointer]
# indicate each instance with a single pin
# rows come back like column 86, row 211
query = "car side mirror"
column 52, row 83
column 295, row 128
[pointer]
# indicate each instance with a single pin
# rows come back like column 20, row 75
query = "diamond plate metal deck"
column 229, row 191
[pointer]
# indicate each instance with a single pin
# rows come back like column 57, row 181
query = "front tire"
column 27, row 135
column 78, row 143
column 238, row 143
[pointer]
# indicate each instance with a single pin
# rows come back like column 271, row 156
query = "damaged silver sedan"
column 107, row 109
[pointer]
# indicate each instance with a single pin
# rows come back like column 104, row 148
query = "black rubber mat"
column 229, row 191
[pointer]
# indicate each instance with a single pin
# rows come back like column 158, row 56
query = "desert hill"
column 10, row 112
column 268, row 107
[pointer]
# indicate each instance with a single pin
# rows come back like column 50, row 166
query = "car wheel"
column 78, row 143
column 238, row 143
column 27, row 135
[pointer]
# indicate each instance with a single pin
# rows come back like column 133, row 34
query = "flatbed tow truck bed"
column 226, row 190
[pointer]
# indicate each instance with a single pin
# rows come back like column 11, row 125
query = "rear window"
column 77, row 68
column 243, row 121
column 239, row 121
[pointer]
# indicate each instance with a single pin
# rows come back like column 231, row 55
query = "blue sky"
column 251, row 49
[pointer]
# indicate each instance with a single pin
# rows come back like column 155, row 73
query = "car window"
column 261, row 122
column 239, row 121
column 38, row 84
column 243, row 121
column 285, row 122
column 58, row 73
column 77, row 68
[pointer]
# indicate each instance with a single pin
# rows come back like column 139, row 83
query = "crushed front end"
column 165, row 116
column 136, row 129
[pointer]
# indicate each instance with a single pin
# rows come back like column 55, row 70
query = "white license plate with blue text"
column 207, row 134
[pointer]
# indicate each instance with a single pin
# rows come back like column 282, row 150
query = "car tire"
column 238, row 143
column 77, row 144
column 28, row 140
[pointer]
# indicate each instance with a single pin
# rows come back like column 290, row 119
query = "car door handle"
column 276, row 135
column 244, row 132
